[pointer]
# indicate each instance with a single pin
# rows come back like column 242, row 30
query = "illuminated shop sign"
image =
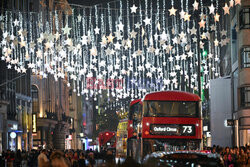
column 172, row 130
column 34, row 122
column 12, row 126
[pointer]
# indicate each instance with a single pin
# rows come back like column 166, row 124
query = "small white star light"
column 133, row 9
column 196, row 5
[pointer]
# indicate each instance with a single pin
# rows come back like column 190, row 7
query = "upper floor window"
column 34, row 92
column 245, row 57
column 245, row 18
column 245, row 96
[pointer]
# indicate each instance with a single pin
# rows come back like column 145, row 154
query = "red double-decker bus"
column 135, row 110
column 168, row 121
column 107, row 140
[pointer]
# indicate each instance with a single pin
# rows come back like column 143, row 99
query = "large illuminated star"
column 226, row 9
column 237, row 2
column 231, row 3
column 211, row 9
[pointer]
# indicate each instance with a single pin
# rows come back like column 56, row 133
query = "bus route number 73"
column 187, row 129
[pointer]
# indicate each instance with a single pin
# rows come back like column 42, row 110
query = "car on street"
column 183, row 159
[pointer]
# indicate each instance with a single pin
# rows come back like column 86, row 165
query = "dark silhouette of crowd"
column 232, row 157
column 56, row 158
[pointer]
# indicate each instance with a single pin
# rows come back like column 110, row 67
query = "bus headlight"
column 147, row 124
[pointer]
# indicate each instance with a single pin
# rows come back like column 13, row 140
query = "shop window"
column 245, row 96
column 245, row 57
column 245, row 18
column 35, row 101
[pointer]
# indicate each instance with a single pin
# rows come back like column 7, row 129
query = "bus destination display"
column 172, row 129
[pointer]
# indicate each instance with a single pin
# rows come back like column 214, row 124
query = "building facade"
column 15, row 109
column 240, row 44
column 50, row 100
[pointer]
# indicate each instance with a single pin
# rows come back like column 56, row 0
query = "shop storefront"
column 242, row 127
column 12, row 135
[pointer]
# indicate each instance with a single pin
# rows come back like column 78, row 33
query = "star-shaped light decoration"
column 110, row 38
column 117, row 45
column 20, row 31
column 190, row 53
column 79, row 18
column 196, row 5
column 193, row 31
column 212, row 27
column 133, row 34
column 182, row 14
column 164, row 36
column 57, row 35
column 118, row 35
column 22, row 43
column 129, row 43
column 231, row 3
column 182, row 34
column 201, row 45
column 66, row 30
column 216, row 42
column 223, row 33
column 93, row 51
column 237, row 2
column 67, row 42
column 137, row 25
column 203, row 36
column 97, row 30
column 133, row 8
column 39, row 53
column 9, row 66
column 120, row 26
column 226, row 9
column 172, row 11
column 211, row 9
column 187, row 17
column 202, row 24
column 16, row 22
column 217, row 17
column 147, row 21
column 104, row 41
column 183, row 56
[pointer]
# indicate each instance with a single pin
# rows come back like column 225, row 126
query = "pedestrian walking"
column 82, row 160
column 42, row 159
column 58, row 160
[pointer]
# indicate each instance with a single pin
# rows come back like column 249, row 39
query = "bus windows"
column 170, row 109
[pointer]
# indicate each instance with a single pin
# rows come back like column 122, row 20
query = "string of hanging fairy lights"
column 123, row 49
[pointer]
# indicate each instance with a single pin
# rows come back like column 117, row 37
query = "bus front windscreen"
column 170, row 109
